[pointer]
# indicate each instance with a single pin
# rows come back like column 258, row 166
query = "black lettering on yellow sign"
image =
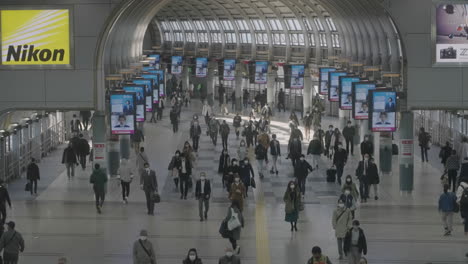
column 29, row 53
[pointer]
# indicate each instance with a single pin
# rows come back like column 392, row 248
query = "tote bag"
column 234, row 221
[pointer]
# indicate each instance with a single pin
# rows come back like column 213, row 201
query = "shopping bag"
column 252, row 183
column 234, row 221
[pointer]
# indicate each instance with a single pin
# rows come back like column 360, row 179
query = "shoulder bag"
column 147, row 253
column 234, row 221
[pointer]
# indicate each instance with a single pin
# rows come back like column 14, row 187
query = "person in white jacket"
column 126, row 176
column 207, row 112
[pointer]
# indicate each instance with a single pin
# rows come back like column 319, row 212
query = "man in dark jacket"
column 307, row 122
column 224, row 132
column 301, row 170
column 261, row 156
column 295, row 150
column 236, row 123
column 149, row 184
column 33, row 175
column 275, row 151
column 98, row 179
column 174, row 116
column 328, row 137
column 348, row 133
column 83, row 150
column 214, row 129
column 4, row 198
column 75, row 125
column 315, row 149
column 69, row 159
column 203, row 195
column 355, row 244
column 185, row 171
column 137, row 138
column 281, row 101
column 195, row 132
column 367, row 147
column 424, row 138
column 85, row 116
column 12, row 243
column 364, row 174
column 339, row 160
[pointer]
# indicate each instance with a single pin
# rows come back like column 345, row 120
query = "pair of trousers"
column 159, row 114
column 3, row 212
column 249, row 141
column 307, row 132
column 354, row 256
column 184, row 178
column 294, row 160
column 125, row 189
column 70, row 169
column 340, row 241
column 149, row 201
column 376, row 190
column 233, row 243
column 447, row 220
column 339, row 172
column 153, row 118
column 10, row 258
column 424, row 153
column 203, row 202
column 275, row 160
column 175, row 127
column 315, row 160
column 33, row 186
column 349, row 142
column 281, row 106
column 214, row 137
column 261, row 166
column 225, row 141
column 99, row 194
column 364, row 189
column 85, row 124
column 195, row 141
column 302, row 182
column 452, row 179
column 83, row 161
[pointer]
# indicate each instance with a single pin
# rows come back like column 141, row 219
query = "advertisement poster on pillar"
column 451, row 33
column 345, row 94
column 157, row 60
column 35, row 37
column 123, row 113
column 261, row 70
column 297, row 76
column 139, row 91
column 229, row 70
column 161, row 81
column 323, row 80
column 155, row 79
column 383, row 109
column 334, row 85
column 361, row 100
column 148, row 83
column 176, row 66
column 201, row 67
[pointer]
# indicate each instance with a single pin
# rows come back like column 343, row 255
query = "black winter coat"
column 246, row 172
column 367, row 147
column 32, row 172
column 275, row 151
column 68, row 156
column 315, row 147
column 362, row 244
column 372, row 174
column 349, row 132
column 328, row 136
column 224, row 161
column 261, row 152
column 302, row 168
column 295, row 148
column 340, row 157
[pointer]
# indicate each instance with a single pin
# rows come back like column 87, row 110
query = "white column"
column 239, row 73
column 307, row 90
column 271, row 86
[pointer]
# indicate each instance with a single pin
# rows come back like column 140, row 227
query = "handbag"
column 147, row 253
column 233, row 222
column 252, row 183
column 27, row 187
column 224, row 231
column 156, row 197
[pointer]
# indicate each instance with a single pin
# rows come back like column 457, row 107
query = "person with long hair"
column 192, row 257
column 292, row 200
column 234, row 211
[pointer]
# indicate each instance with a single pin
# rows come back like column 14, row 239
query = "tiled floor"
column 62, row 220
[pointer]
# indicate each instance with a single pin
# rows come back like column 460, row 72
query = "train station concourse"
column 233, row 131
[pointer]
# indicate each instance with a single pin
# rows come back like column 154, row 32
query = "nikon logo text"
column 29, row 53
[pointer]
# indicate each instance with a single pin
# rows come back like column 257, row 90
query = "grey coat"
column 12, row 242
column 139, row 254
column 341, row 221
column 231, row 260
column 236, row 232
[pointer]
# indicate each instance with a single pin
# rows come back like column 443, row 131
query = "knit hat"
column 143, row 232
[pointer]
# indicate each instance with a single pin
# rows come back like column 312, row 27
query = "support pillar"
column 307, row 91
column 406, row 152
column 271, row 77
column 210, row 83
column 105, row 158
column 185, row 78
column 385, row 151
column 125, row 146
column 342, row 117
column 238, row 87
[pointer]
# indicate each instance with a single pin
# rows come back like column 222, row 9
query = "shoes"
column 295, row 227
column 341, row 257
column 238, row 250
column 448, row 233
column 276, row 173
column 151, row 213
column 206, row 215
column 185, row 197
column 181, row 197
column 376, row 198
column 99, row 209
column 362, row 200
column 201, row 219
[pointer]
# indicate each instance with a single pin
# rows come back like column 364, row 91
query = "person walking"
column 185, row 171
column 249, row 131
column 348, row 200
column 355, row 244
column 235, row 213
column 137, row 138
column 328, row 140
column 143, row 252
column 261, row 156
column 214, row 129
column 275, row 152
column 292, row 201
column 373, row 179
column 367, row 147
column 281, row 100
column 85, row 117
column 229, row 257
column 224, row 162
column 445, row 153
column 315, row 149
column 349, row 184
column 318, row 257
column 98, row 179
column 447, row 201
column 237, row 192
column 207, row 112
column 125, row 177
column 12, row 243
column 149, row 184
column 341, row 222
column 4, row 198
column 75, row 125
column 294, row 150
column 307, row 122
column 452, row 165
column 246, row 174
column 424, row 139
column 160, row 108
column 173, row 168
column 33, row 175
column 301, row 171
column 203, row 195
column 348, row 133
column 336, row 139
column 195, row 132
column 69, row 159
column 362, row 172
column 237, row 123
column 339, row 160
column 82, row 150
column 174, row 116
column 224, row 132
column 141, row 159
column 192, row 257
column 242, row 151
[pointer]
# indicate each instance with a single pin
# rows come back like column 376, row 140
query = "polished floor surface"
column 62, row 220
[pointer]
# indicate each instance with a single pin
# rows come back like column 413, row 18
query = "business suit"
column 149, row 184
column 203, row 198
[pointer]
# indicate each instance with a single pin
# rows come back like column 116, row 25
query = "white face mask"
column 366, row 159
column 340, row 205
column 202, row 178
column 246, row 162
column 192, row 257
column 348, row 180
column 229, row 254
column 143, row 238
column 234, row 163
column 148, row 170
column 356, row 227
column 302, row 159
column 237, row 180
column 347, row 192
column 292, row 186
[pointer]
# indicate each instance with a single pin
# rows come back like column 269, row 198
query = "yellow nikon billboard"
column 35, row 37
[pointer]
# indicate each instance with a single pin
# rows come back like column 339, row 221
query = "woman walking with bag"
column 173, row 168
column 237, row 192
column 235, row 221
column 292, row 200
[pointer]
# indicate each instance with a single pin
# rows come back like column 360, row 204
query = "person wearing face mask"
column 307, row 122
column 195, row 132
column 367, row 147
column 328, row 140
column 275, row 152
column 339, row 160
column 363, row 172
column 236, row 122
column 292, row 201
column 242, row 150
column 224, row 161
column 173, row 168
column 315, row 149
column 246, row 174
column 318, row 257
column 349, row 184
column 229, row 257
column 187, row 151
column 348, row 200
column 355, row 244
column 126, row 176
column 301, row 171
column 141, row 159
column 261, row 155
column 234, row 210
column 373, row 178
column 143, row 252
column 337, row 138
column 192, row 257
column 185, row 170
column 294, row 150
column 203, row 195
column 237, row 192
column 224, row 132
column 213, row 130
column 348, row 132
column 341, row 222
column 98, row 179
column 149, row 184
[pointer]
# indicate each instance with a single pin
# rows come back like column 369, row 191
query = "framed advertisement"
column 176, row 65
column 123, row 111
column 383, row 110
column 229, row 70
column 346, row 89
column 323, row 79
column 157, row 60
column 201, row 67
column 155, row 78
column 161, row 81
column 333, row 85
column 361, row 99
column 140, row 100
column 148, row 83
column 261, row 70
column 297, row 76
column 148, row 68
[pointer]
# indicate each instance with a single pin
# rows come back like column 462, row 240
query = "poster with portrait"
column 261, row 70
column 345, row 93
column 147, row 68
column 157, row 60
column 161, row 81
column 451, row 33
column 229, row 70
column 148, row 83
column 155, row 78
column 140, row 100
column 361, row 99
column 323, row 79
column 123, row 111
column 297, row 76
column 176, row 65
column 201, row 67
column 334, row 85
column 383, row 109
